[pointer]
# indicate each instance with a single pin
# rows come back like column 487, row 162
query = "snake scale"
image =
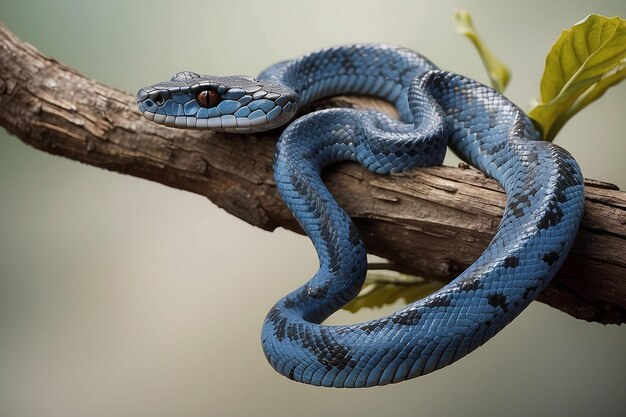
column 543, row 184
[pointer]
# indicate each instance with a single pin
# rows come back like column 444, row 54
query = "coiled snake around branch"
column 543, row 184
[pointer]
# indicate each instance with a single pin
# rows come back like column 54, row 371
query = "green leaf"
column 498, row 73
column 381, row 289
column 584, row 62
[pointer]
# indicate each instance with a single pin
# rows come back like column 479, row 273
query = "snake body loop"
column 543, row 184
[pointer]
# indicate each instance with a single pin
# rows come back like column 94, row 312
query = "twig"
column 430, row 222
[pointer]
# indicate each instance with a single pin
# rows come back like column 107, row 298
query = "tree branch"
column 431, row 222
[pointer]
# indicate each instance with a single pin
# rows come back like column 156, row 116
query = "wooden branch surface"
column 431, row 222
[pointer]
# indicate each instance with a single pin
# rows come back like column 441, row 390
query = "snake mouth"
column 240, row 110
column 227, row 123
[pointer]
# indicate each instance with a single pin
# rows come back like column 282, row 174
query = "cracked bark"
column 446, row 216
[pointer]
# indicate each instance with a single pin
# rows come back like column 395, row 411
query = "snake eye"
column 159, row 100
column 208, row 98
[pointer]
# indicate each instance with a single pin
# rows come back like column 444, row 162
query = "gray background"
column 121, row 297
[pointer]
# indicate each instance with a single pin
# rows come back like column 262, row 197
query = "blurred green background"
column 121, row 297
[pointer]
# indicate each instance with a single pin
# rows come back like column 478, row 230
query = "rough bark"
column 431, row 222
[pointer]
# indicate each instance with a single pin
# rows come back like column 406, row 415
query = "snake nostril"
column 159, row 100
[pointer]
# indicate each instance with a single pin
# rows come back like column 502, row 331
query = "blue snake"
column 543, row 184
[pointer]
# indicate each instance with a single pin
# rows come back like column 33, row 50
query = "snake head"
column 238, row 104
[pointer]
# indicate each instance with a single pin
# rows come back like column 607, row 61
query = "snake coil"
column 543, row 184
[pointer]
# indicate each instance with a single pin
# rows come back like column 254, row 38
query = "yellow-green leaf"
column 499, row 74
column 380, row 289
column 583, row 63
